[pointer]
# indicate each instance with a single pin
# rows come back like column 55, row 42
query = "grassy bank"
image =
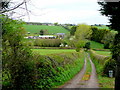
column 50, row 70
column 64, row 65
column 99, row 61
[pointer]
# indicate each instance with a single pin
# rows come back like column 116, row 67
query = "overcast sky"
column 65, row 11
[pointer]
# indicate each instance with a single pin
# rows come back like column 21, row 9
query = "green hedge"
column 56, row 69
column 98, row 34
column 44, row 42
column 48, row 71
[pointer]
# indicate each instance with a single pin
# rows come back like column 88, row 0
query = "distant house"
column 60, row 35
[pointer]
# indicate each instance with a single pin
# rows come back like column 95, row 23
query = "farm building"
column 47, row 37
column 60, row 35
column 41, row 37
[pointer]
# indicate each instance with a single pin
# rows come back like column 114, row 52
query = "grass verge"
column 104, row 82
column 88, row 70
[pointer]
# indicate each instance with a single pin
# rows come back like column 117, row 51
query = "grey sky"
column 65, row 11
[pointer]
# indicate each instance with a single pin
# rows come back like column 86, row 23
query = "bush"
column 16, row 57
column 98, row 34
column 106, row 46
column 77, row 49
column 87, row 45
column 47, row 42
column 56, row 69
column 110, row 64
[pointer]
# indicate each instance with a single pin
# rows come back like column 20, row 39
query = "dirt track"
column 77, row 81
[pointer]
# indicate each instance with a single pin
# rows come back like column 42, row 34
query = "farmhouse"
column 60, row 35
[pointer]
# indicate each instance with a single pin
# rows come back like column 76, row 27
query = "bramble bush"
column 110, row 64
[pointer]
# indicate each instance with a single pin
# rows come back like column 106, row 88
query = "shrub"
column 54, row 70
column 77, row 49
column 110, row 64
column 47, row 42
column 87, row 45
column 98, row 34
column 16, row 56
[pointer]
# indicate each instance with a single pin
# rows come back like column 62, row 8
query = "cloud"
column 65, row 11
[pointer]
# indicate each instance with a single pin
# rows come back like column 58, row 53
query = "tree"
column 56, row 23
column 41, row 32
column 98, row 32
column 11, row 8
column 16, row 55
column 112, row 10
column 13, row 48
column 82, row 33
column 5, row 5
column 73, row 29
column 108, row 39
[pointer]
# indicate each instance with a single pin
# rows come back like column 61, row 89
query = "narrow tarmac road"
column 93, row 82
column 77, row 81
column 74, row 83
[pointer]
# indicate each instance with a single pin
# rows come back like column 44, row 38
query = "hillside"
column 51, row 29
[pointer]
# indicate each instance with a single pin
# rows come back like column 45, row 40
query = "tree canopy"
column 112, row 11
column 83, row 31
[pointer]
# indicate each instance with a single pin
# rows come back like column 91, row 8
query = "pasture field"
column 51, row 29
column 96, row 45
column 105, row 53
column 103, row 27
column 52, row 51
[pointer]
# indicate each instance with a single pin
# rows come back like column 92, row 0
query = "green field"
column 52, row 51
column 51, row 29
column 103, row 27
column 105, row 53
column 96, row 45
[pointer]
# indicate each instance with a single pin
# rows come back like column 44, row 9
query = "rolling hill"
column 51, row 29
